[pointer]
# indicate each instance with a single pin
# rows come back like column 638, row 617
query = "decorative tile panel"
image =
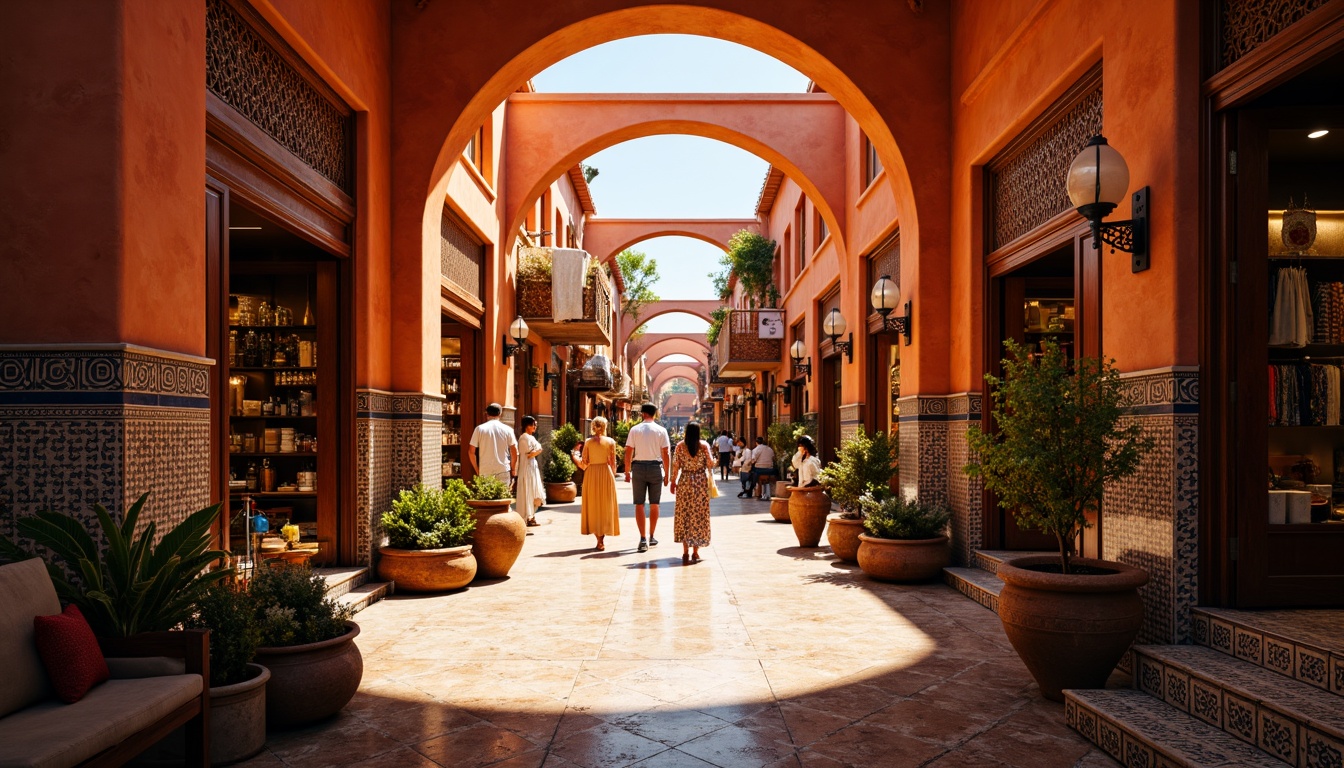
column 851, row 420
column 1150, row 519
column 398, row 436
column 103, row 424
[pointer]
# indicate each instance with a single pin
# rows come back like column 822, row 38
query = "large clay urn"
column 808, row 508
column 903, row 559
column 427, row 570
column 843, row 536
column 238, row 718
column 561, row 493
column 779, row 507
column 498, row 538
column 311, row 682
column 1070, row 629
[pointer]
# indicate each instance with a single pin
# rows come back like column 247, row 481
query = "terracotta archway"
column 656, row 388
column 444, row 92
column 700, row 308
column 670, row 344
column 604, row 238
column 801, row 134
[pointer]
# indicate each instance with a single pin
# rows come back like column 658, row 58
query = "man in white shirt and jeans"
column 494, row 449
column 724, row 444
column 649, row 450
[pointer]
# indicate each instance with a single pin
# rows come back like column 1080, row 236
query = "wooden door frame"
column 1224, row 92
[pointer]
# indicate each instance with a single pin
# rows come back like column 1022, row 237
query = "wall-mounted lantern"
column 1098, row 180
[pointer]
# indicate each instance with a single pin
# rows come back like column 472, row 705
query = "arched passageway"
column 446, row 92
column 604, row 238
column 700, row 308
column 802, row 134
column 671, row 344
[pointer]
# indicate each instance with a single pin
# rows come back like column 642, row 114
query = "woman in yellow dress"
column 601, row 516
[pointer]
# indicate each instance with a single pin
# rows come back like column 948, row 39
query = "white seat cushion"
column 25, row 592
column 55, row 735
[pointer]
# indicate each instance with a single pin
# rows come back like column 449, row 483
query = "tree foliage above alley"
column 751, row 258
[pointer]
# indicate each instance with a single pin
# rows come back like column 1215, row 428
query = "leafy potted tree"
column 903, row 540
column 565, row 439
column 237, row 684
column 558, row 474
column 308, row 643
column 499, row 534
column 429, row 540
column 1059, row 442
column 864, row 467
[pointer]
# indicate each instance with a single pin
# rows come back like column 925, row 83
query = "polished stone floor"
column 764, row 654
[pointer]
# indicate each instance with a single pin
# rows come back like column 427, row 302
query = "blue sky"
column 674, row 176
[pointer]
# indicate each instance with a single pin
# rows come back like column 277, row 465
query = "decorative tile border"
column 398, row 438
column 851, row 420
column 1273, row 646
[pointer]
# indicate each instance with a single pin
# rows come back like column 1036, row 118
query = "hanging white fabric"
column 569, row 272
column 1291, row 321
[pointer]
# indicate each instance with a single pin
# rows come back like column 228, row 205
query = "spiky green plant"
column 130, row 584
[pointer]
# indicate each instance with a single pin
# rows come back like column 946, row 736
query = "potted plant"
column 903, row 540
column 308, row 643
column 864, row 467
column 783, row 439
column 557, row 474
column 499, row 534
column 131, row 583
column 565, row 439
column 237, row 684
column 429, row 539
column 1059, row 442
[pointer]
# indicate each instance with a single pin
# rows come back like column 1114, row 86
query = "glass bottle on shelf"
column 251, row 349
column 265, row 349
column 252, row 477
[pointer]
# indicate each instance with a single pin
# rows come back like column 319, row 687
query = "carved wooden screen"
column 1027, row 181
column 1248, row 24
column 461, row 255
column 884, row 260
column 245, row 68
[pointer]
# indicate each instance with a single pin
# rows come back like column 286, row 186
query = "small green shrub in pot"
column 559, row 467
column 292, row 605
column 566, row 438
column 864, row 467
column 893, row 517
column 783, row 438
column 235, row 632
column 429, row 518
column 486, row 488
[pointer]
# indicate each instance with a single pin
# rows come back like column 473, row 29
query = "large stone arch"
column 700, row 308
column 604, row 238
column 802, row 134
column 656, row 386
column 896, row 90
column 675, row 346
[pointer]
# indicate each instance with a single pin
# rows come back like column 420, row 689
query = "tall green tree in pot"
column 1060, row 440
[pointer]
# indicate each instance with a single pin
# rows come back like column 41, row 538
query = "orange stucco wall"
column 1010, row 60
column 102, row 158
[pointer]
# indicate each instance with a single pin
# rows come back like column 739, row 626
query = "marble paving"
column 764, row 654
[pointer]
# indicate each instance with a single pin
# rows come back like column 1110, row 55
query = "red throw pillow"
column 70, row 652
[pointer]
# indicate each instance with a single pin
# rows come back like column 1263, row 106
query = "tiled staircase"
column 1262, row 688
column 350, row 585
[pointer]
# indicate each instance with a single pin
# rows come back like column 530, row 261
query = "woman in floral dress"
column 692, row 461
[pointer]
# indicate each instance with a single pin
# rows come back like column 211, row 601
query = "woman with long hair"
column 530, row 491
column 692, row 461
column 806, row 462
column 601, row 516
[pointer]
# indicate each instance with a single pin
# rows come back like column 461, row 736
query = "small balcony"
column 751, row 340
column 537, row 304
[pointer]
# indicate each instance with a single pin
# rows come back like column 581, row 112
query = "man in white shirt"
column 494, row 449
column 763, row 459
column 649, row 451
column 746, row 456
column 724, row 444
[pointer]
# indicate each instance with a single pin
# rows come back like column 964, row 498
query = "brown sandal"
column 601, row 547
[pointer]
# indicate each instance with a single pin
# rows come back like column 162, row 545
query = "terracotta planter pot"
column 808, row 508
column 427, row 570
column 779, row 508
column 238, row 718
column 1070, row 629
column 782, row 488
column 561, row 493
column 903, row 559
column 843, row 536
column 498, row 538
column 311, row 682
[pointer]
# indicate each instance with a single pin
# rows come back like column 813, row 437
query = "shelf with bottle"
column 237, row 327
column 265, row 479
column 450, row 363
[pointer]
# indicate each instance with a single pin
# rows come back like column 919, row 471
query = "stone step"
column 981, row 586
column 1290, row 720
column 990, row 559
column 342, row 579
column 1139, row 730
column 1306, row 645
column 363, row 596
